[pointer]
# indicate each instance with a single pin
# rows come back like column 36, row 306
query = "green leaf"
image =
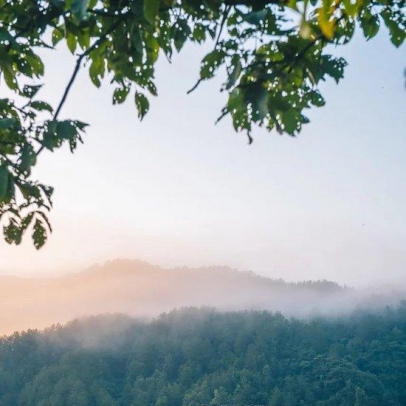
column 258, row 97
column 71, row 42
column 26, row 221
column 48, row 191
column 210, row 63
column 333, row 67
column 180, row 33
column 199, row 33
column 5, row 35
column 10, row 192
column 152, row 48
column 4, row 175
column 235, row 74
column 10, row 79
column 79, row 8
column 326, row 23
column 291, row 121
column 352, row 7
column 28, row 158
column 57, row 35
column 7, row 123
column 317, row 99
column 66, row 130
column 120, row 94
column 39, row 235
column 41, row 106
column 35, row 63
column 397, row 37
column 80, row 124
column 44, row 219
column 142, row 104
column 12, row 232
column 370, row 26
column 30, row 90
column 96, row 70
column 137, row 41
column 83, row 38
column 50, row 137
column 151, row 9
column 395, row 22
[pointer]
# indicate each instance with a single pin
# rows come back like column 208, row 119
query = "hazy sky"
column 178, row 190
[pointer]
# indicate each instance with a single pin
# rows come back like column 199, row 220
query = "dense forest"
column 195, row 356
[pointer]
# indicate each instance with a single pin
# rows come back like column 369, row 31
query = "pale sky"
column 177, row 190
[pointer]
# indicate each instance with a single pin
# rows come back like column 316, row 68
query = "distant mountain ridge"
column 140, row 289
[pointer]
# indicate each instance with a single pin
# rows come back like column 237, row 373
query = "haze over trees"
column 275, row 54
column 200, row 357
column 142, row 290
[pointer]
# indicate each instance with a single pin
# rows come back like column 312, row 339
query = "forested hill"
column 193, row 357
column 143, row 290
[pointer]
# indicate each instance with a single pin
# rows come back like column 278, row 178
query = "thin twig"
column 223, row 21
column 310, row 45
column 76, row 71
column 77, row 66
column 195, row 86
column 303, row 52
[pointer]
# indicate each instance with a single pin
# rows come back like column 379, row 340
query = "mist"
column 141, row 290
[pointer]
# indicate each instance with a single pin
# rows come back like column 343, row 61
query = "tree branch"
column 223, row 21
column 76, row 71
column 77, row 66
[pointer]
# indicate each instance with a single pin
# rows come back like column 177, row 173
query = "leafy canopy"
column 274, row 52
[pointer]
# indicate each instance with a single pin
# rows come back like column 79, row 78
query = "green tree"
column 275, row 53
column 64, row 374
column 221, row 397
column 360, row 397
column 276, row 398
column 78, row 395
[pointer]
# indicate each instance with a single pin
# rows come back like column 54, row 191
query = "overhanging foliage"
column 274, row 53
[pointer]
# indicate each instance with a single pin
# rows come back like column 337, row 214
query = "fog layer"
column 143, row 290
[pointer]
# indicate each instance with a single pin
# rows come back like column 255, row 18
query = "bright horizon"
column 177, row 190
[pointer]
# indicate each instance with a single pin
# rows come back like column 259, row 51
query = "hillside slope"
column 143, row 290
column 200, row 357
